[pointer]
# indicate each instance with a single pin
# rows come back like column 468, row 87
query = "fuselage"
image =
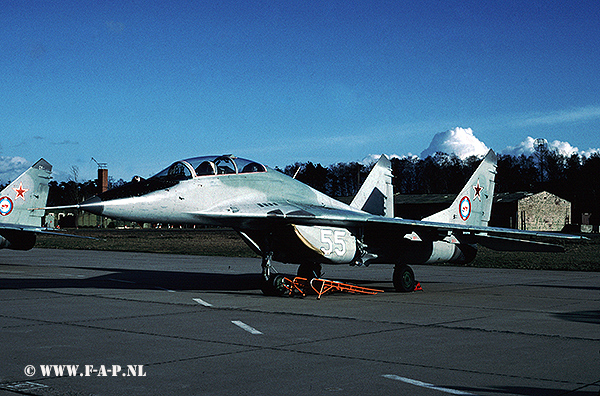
column 251, row 198
column 181, row 193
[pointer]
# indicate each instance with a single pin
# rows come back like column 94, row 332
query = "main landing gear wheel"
column 404, row 278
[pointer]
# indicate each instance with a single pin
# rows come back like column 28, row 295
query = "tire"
column 404, row 279
column 274, row 286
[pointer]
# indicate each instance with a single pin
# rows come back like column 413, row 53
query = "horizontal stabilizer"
column 516, row 245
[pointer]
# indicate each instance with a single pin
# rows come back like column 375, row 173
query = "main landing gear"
column 404, row 278
column 273, row 284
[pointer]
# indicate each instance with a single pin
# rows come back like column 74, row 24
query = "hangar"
column 543, row 211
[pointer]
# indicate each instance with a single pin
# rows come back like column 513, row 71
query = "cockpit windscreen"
column 209, row 166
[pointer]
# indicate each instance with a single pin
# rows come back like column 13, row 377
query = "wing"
column 251, row 216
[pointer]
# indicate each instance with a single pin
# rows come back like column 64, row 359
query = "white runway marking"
column 244, row 326
column 202, row 302
column 24, row 386
column 426, row 385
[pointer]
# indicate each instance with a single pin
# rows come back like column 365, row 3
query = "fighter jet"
column 284, row 220
column 20, row 202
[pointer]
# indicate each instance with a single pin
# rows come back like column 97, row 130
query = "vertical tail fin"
column 473, row 205
column 376, row 195
column 28, row 191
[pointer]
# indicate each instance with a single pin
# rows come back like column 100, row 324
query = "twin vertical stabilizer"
column 376, row 195
column 473, row 206
column 19, row 200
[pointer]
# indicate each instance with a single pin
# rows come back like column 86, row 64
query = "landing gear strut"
column 271, row 283
column 404, row 278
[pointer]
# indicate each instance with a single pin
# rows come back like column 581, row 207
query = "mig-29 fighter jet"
column 285, row 220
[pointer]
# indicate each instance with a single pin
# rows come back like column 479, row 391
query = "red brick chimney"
column 102, row 179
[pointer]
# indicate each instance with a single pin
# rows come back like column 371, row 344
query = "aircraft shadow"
column 529, row 391
column 580, row 316
column 142, row 280
column 125, row 279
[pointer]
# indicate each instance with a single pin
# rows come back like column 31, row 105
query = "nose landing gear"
column 271, row 283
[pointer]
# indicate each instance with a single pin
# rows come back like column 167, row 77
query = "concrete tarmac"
column 142, row 324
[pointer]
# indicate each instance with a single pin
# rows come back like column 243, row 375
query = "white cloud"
column 459, row 141
column 372, row 158
column 464, row 143
column 563, row 148
column 527, row 147
column 11, row 168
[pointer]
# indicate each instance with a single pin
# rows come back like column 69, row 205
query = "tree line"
column 574, row 178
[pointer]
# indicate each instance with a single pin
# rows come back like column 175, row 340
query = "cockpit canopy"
column 184, row 170
column 209, row 166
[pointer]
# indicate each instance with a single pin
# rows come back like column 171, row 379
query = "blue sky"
column 140, row 84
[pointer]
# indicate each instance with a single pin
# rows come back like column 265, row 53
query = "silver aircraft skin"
column 285, row 220
column 20, row 203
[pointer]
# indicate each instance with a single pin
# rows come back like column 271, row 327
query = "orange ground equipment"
column 301, row 286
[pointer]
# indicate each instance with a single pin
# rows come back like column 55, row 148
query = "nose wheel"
column 274, row 286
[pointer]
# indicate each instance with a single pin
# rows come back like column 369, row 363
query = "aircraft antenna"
column 296, row 173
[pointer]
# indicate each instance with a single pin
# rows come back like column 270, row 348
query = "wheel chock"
column 302, row 286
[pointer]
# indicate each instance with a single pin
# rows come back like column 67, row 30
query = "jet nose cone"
column 93, row 205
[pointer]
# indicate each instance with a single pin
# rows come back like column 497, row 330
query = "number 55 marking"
column 336, row 244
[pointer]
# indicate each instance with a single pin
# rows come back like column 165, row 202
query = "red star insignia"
column 477, row 189
column 20, row 191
